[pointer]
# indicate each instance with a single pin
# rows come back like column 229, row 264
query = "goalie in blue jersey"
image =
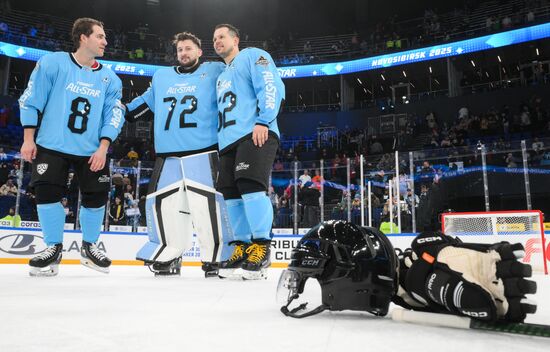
column 182, row 198
column 250, row 94
column 72, row 104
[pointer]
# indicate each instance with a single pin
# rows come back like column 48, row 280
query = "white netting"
column 488, row 223
column 486, row 227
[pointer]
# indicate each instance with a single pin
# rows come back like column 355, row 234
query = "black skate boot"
column 93, row 258
column 210, row 269
column 231, row 268
column 258, row 260
column 47, row 262
column 170, row 268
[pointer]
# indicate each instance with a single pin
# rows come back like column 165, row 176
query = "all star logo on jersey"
column 223, row 85
column 103, row 178
column 203, row 75
column 262, row 61
column 105, row 79
column 83, row 88
column 242, row 166
column 181, row 88
column 41, row 168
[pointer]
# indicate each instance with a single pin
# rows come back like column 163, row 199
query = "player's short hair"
column 84, row 25
column 186, row 36
column 232, row 29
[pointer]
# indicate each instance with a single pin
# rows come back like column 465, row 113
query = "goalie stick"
column 454, row 321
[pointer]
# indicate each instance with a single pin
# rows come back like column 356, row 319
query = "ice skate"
column 170, row 268
column 258, row 261
column 93, row 258
column 231, row 268
column 47, row 262
column 210, row 269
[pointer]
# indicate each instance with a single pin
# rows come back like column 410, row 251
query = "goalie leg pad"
column 169, row 222
column 209, row 210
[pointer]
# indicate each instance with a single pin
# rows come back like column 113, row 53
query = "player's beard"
column 225, row 53
column 190, row 63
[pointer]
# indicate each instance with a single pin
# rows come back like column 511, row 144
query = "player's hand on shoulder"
column 482, row 281
column 28, row 151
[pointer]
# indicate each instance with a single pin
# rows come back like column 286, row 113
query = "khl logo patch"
column 41, row 168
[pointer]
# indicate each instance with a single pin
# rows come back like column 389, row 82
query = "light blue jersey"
column 79, row 105
column 184, row 108
column 250, row 92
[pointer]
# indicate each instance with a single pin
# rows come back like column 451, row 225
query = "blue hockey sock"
column 90, row 222
column 52, row 220
column 237, row 218
column 259, row 213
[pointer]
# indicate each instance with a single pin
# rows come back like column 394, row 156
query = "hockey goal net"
column 525, row 226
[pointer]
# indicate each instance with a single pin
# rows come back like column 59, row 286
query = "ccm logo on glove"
column 429, row 239
column 475, row 314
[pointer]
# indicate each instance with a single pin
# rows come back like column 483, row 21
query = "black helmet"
column 355, row 266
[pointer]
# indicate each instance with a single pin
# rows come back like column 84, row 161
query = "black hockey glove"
column 483, row 281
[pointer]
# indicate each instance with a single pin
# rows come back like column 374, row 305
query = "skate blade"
column 91, row 265
column 255, row 275
column 52, row 270
column 213, row 273
column 167, row 273
column 230, row 274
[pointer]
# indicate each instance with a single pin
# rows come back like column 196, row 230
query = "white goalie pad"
column 169, row 223
column 186, row 202
column 208, row 210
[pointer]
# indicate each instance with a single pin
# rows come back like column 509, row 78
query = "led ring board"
column 462, row 47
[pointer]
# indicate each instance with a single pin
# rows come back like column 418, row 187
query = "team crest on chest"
column 41, row 168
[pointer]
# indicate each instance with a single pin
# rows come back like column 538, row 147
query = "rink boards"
column 17, row 245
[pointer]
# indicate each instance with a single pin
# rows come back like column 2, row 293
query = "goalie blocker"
column 181, row 201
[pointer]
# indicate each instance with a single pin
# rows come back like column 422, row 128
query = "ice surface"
column 130, row 310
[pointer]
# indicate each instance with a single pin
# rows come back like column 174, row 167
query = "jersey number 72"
column 173, row 101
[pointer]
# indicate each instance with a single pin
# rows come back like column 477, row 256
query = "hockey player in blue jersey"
column 182, row 198
column 74, row 104
column 250, row 94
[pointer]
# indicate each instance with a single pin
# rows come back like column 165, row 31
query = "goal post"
column 524, row 226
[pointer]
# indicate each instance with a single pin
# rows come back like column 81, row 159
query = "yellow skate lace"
column 256, row 252
column 238, row 253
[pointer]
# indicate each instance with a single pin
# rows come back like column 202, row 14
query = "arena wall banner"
column 32, row 224
column 18, row 245
column 463, row 47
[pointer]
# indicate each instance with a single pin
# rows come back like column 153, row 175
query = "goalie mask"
column 354, row 266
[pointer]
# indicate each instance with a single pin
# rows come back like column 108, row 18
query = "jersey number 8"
column 76, row 112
